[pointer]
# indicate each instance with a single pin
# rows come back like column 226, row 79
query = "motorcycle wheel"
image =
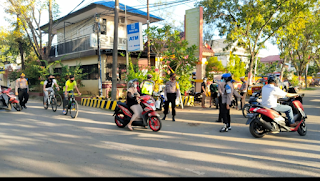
column 302, row 130
column 118, row 123
column 256, row 130
column 17, row 107
column 245, row 110
column 155, row 123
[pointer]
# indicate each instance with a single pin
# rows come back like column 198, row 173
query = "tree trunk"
column 21, row 55
column 282, row 68
column 47, row 54
column 250, row 69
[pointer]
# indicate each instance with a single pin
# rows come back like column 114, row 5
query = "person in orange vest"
column 22, row 90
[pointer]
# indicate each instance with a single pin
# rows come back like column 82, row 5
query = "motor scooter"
column 263, row 120
column 9, row 100
column 122, row 114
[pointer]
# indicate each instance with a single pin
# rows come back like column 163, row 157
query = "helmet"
column 271, row 79
column 149, row 76
column 227, row 77
column 131, row 83
column 22, row 74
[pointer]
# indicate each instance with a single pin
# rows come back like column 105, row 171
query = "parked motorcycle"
column 149, row 117
column 263, row 120
column 254, row 101
column 9, row 100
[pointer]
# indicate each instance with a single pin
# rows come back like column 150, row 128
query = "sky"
column 178, row 12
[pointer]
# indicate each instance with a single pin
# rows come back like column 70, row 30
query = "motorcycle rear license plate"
column 249, row 115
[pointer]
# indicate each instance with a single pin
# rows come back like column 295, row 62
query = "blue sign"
column 134, row 36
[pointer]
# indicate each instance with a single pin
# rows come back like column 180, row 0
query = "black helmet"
column 271, row 79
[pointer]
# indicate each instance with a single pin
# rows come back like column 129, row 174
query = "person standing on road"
column 243, row 92
column 204, row 92
column 227, row 92
column 213, row 92
column 171, row 93
column 147, row 86
column 22, row 90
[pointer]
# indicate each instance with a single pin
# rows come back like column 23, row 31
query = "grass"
column 309, row 88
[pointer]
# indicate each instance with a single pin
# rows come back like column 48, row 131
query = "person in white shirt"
column 48, row 85
column 270, row 94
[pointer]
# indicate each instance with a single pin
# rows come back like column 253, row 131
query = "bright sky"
column 178, row 12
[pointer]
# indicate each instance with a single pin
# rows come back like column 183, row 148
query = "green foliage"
column 295, row 81
column 236, row 67
column 215, row 66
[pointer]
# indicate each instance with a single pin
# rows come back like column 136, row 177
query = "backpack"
column 227, row 88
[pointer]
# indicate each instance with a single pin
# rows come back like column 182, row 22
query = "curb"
column 111, row 105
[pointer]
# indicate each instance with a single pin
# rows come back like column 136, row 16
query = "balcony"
column 85, row 43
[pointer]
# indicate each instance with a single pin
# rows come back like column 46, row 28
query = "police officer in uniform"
column 147, row 86
column 22, row 90
column 171, row 93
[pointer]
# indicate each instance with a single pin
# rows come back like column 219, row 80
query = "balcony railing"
column 88, row 42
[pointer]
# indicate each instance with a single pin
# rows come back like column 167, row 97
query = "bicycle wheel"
column 74, row 109
column 59, row 100
column 54, row 104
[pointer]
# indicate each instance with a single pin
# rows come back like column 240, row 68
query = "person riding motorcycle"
column 133, row 101
column 270, row 94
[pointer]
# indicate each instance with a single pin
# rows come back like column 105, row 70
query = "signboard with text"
column 134, row 36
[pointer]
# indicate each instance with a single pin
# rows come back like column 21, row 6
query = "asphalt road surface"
column 42, row 143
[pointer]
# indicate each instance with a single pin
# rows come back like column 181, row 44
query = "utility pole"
column 115, row 52
column 99, row 51
column 127, row 53
column 148, row 22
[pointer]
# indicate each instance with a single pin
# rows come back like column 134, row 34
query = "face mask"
column 135, row 85
column 50, row 79
column 71, row 81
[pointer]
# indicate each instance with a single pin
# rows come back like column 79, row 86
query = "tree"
column 236, row 67
column 26, row 12
column 214, row 66
column 252, row 23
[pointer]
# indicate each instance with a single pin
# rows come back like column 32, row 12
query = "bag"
column 227, row 89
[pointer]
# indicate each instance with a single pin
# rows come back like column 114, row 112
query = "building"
column 219, row 45
column 77, row 42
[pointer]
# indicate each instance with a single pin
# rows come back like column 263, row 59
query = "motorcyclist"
column 270, row 94
column 133, row 101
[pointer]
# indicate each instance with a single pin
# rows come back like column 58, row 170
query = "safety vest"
column 147, row 88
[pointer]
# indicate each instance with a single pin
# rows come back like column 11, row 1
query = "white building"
column 223, row 55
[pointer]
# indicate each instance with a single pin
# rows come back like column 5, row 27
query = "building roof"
column 103, row 8
column 271, row 58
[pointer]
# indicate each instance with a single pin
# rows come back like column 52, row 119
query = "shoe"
column 64, row 112
column 224, row 128
column 130, row 128
column 164, row 118
column 294, row 124
column 209, row 106
column 25, row 106
column 229, row 128
column 173, row 119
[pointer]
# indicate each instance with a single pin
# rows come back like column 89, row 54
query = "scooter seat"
column 125, row 105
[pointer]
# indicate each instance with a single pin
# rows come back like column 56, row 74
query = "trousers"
column 66, row 101
column 225, row 113
column 286, row 109
column 171, row 97
column 23, row 96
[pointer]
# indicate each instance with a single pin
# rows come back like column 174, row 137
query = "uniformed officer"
column 22, row 90
column 171, row 93
column 147, row 86
column 243, row 91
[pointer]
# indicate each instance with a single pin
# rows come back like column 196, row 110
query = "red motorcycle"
column 263, row 120
column 8, row 99
column 123, row 114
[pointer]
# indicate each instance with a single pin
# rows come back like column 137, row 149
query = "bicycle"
column 58, row 97
column 73, row 106
column 51, row 100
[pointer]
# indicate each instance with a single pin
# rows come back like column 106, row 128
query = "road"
column 41, row 143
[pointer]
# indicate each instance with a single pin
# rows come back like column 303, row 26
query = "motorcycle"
column 254, row 101
column 159, row 100
column 9, row 100
column 263, row 120
column 123, row 114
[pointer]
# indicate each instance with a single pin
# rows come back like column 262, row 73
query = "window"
column 92, row 70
